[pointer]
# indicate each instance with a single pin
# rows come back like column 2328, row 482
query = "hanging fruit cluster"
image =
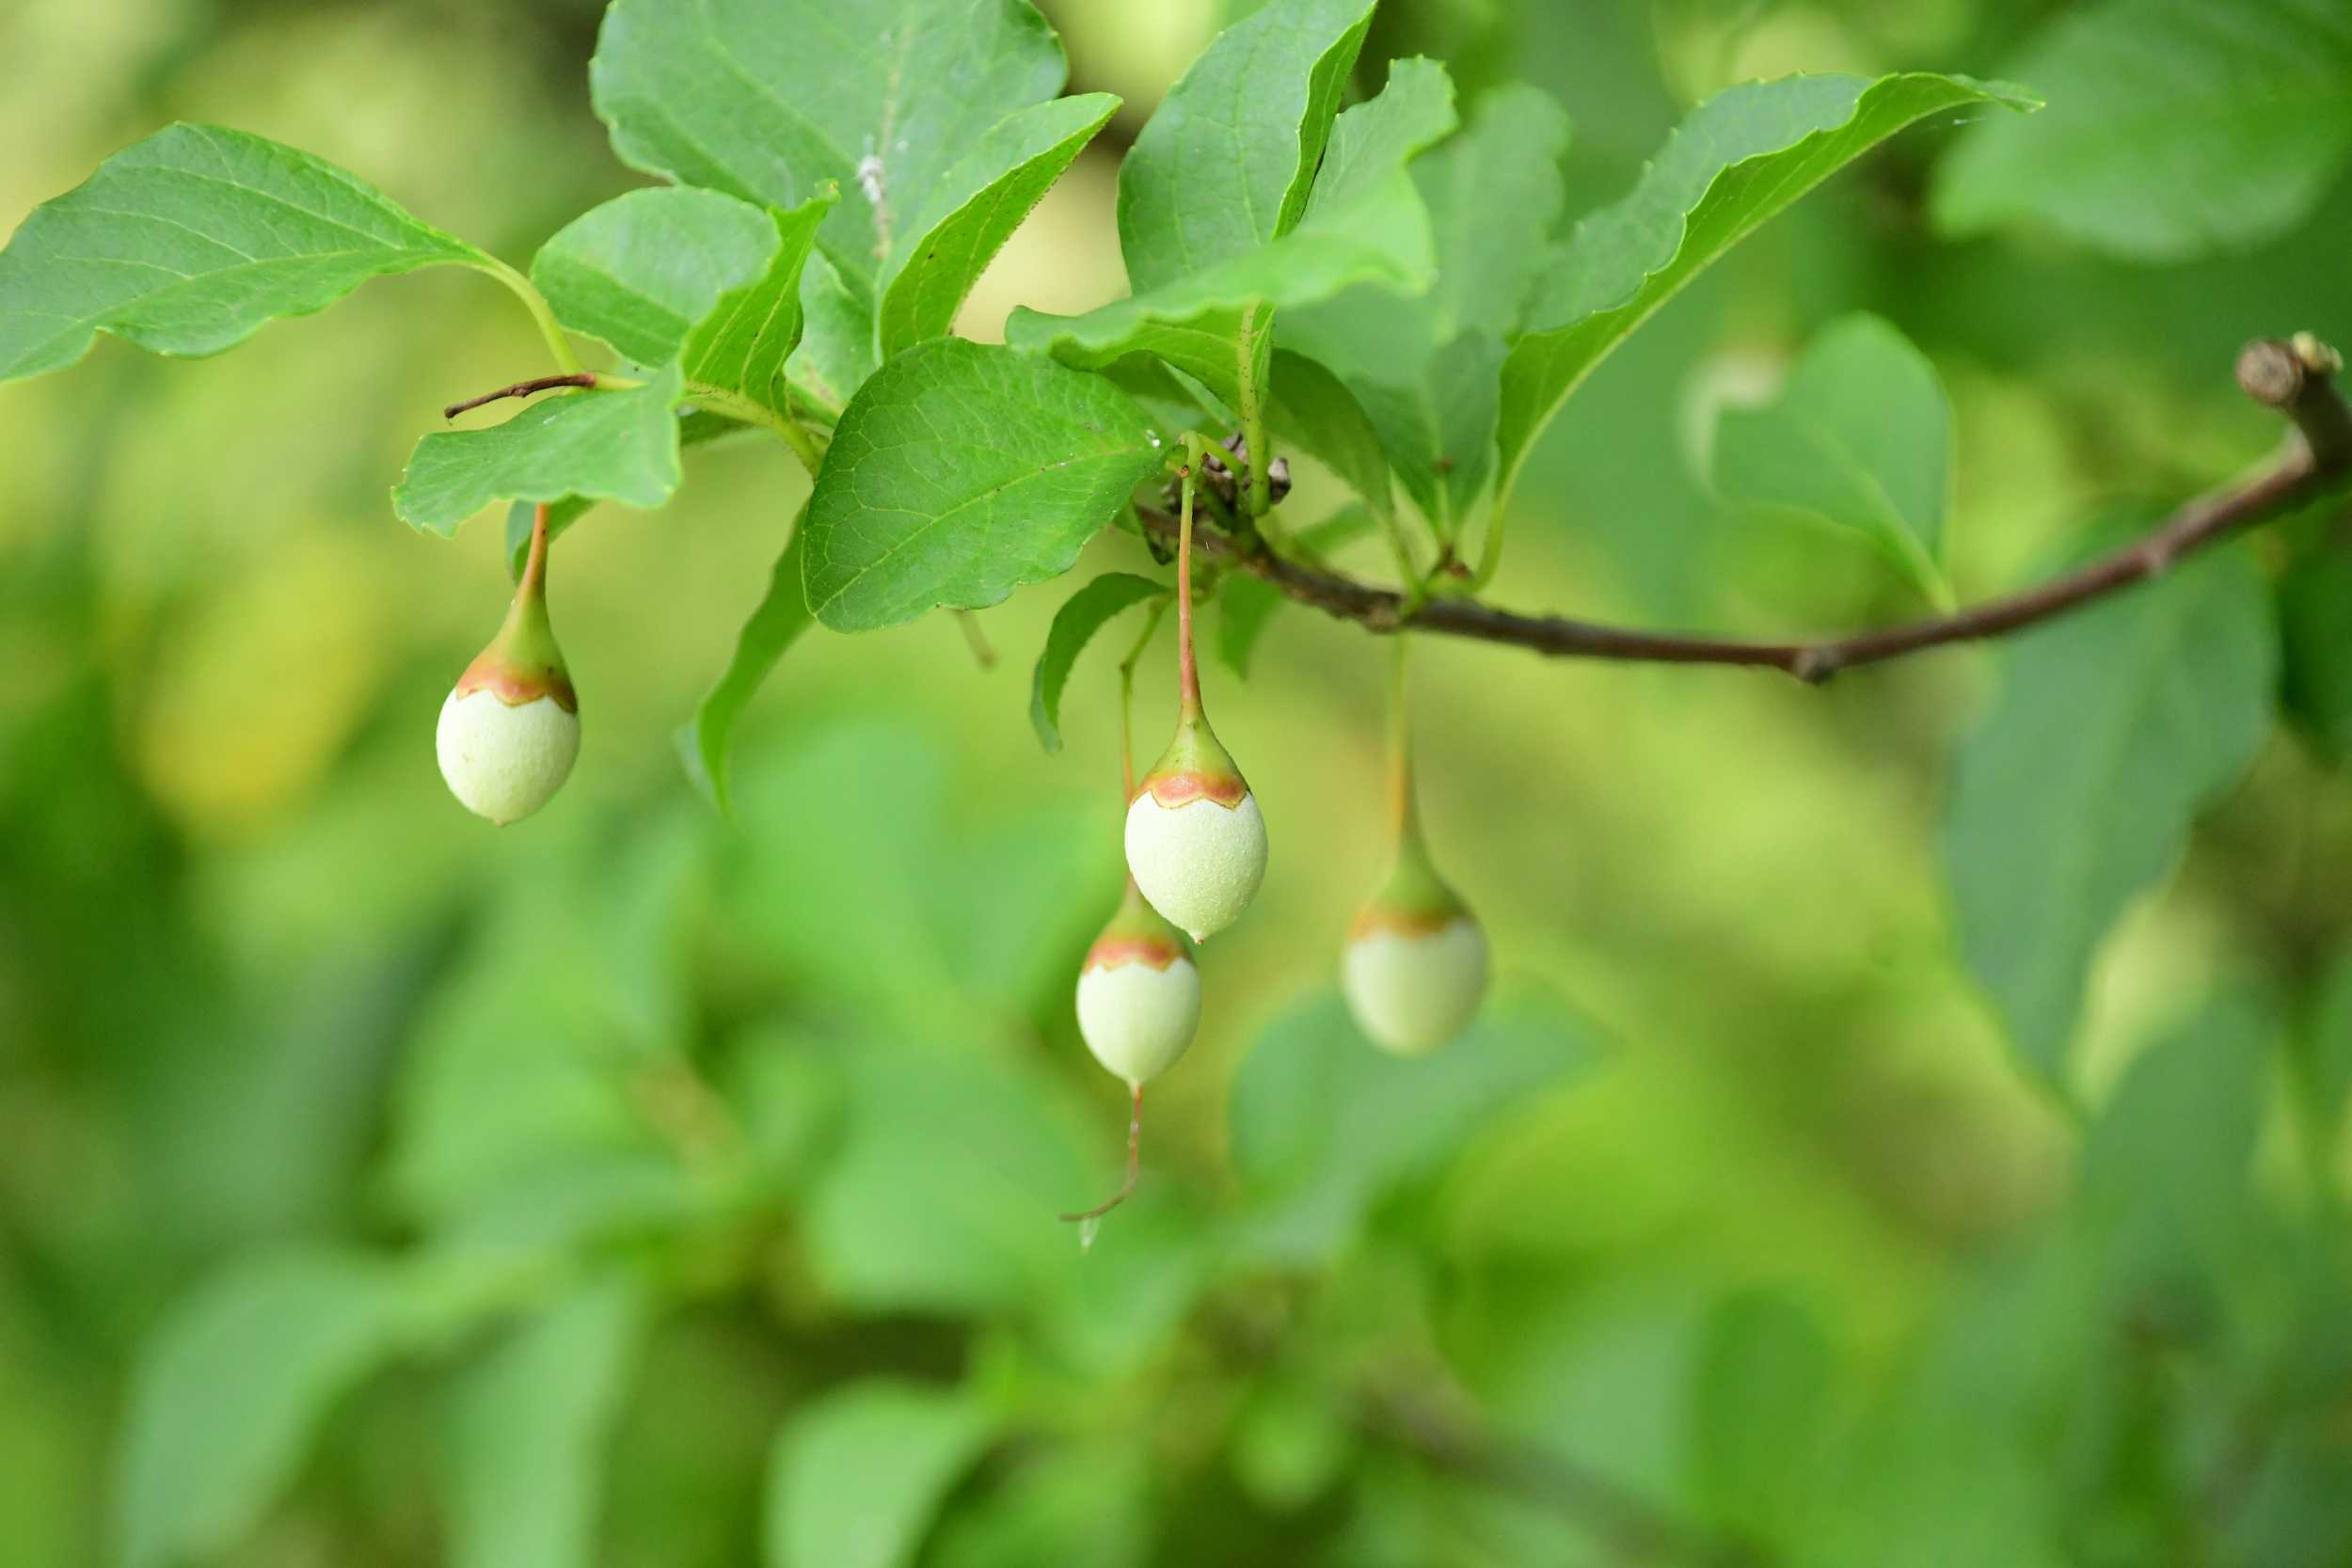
column 1415, row 966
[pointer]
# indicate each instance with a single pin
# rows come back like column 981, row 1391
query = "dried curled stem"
column 1134, row 1160
column 585, row 379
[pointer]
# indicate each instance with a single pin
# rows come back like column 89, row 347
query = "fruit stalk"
column 1402, row 822
column 1134, row 1160
column 1187, row 669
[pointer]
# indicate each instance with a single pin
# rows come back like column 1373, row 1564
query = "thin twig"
column 1134, row 1160
column 524, row 389
column 1627, row 1525
column 2291, row 377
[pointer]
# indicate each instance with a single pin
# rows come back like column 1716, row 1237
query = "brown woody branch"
column 2293, row 377
column 523, row 390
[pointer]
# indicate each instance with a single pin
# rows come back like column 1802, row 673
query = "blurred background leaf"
column 382, row 1190
column 2177, row 127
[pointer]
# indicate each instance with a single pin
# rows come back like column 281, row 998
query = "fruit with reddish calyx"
column 1196, row 842
column 1138, row 993
column 510, row 728
column 1415, row 968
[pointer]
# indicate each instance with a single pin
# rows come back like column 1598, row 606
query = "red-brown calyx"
column 1114, row 952
column 516, row 684
column 1176, row 788
column 522, row 663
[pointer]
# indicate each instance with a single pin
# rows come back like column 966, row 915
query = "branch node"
column 2271, row 372
column 2295, row 377
column 1813, row 665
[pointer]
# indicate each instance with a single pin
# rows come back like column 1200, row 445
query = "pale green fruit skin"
column 1199, row 863
column 1413, row 991
column 502, row 761
column 1136, row 1019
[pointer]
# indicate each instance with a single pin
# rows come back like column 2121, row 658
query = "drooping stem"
column 1400, row 745
column 1187, row 671
column 1134, row 1160
column 542, row 315
column 533, row 580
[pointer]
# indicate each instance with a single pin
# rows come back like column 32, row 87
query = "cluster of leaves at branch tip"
column 509, row 730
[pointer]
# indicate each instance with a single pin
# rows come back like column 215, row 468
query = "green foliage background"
column 378, row 1188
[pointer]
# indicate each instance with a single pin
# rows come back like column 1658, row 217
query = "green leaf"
column 1740, row 157
column 1082, row 615
column 2315, row 628
column 1364, row 226
column 1494, row 196
column 962, row 471
column 606, row 445
column 642, row 269
column 1081, row 1501
column 189, row 242
column 2168, row 1168
column 519, row 1114
column 694, row 427
column 857, row 1475
column 1213, row 325
column 2329, row 1051
column 783, row 614
column 527, row 1426
column 741, row 347
column 1439, row 429
column 767, row 100
column 836, row 353
column 2177, row 128
column 1245, row 606
column 2074, row 795
column 1227, row 162
column 1859, row 439
column 1373, row 140
column 949, row 1171
column 1312, row 409
column 963, row 915
column 1324, row 1126
column 974, row 208
column 228, row 1392
column 1760, row 1424
column 1427, row 369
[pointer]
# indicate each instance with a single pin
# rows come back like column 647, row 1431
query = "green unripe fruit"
column 1415, row 969
column 1196, row 841
column 509, row 730
column 502, row 760
column 1138, row 993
